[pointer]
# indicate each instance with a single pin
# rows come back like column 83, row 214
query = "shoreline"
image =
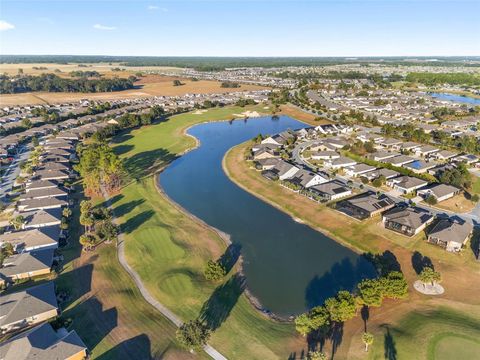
column 278, row 207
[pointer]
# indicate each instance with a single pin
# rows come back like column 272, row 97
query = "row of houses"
column 449, row 233
column 25, row 315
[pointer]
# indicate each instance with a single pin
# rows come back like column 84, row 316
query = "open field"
column 147, row 86
column 169, row 249
column 65, row 69
column 459, row 271
column 303, row 116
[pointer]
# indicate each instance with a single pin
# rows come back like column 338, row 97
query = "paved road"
column 12, row 171
column 214, row 354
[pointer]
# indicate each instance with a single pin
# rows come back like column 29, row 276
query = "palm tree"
column 316, row 355
column 17, row 222
column 428, row 275
column 367, row 339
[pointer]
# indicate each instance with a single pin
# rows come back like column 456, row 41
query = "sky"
column 241, row 28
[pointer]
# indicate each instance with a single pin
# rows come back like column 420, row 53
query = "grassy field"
column 459, row 271
column 169, row 249
column 476, row 185
column 440, row 334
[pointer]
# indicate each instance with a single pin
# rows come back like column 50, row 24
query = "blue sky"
column 241, row 28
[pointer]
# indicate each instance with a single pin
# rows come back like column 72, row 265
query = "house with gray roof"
column 32, row 239
column 406, row 184
column 399, row 160
column 440, row 192
column 26, row 265
column 365, row 205
column 42, row 204
column 450, row 234
column 44, row 193
column 42, row 218
column 28, row 307
column 40, row 185
column 307, row 179
column 332, row 190
column 408, row 221
column 44, row 343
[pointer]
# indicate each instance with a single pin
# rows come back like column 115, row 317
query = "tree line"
column 54, row 83
column 431, row 79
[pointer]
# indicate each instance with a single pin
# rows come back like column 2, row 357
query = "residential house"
column 324, row 155
column 444, row 155
column 42, row 218
column 284, row 170
column 426, row 150
column 365, row 205
column 26, row 265
column 307, row 179
column 42, row 204
column 339, row 163
column 359, row 169
column 383, row 155
column 32, row 239
column 450, row 234
column 399, row 160
column 44, row 343
column 332, row 190
column 406, row 184
column 32, row 185
column 408, row 221
column 44, row 193
column 440, row 192
column 386, row 173
column 28, row 307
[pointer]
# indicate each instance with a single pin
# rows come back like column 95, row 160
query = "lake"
column 456, row 98
column 289, row 266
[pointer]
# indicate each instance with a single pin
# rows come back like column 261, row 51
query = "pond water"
column 289, row 266
column 456, row 98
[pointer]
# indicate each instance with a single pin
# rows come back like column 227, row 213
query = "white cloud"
column 103, row 27
column 155, row 8
column 4, row 26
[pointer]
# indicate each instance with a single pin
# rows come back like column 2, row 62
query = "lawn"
column 438, row 334
column 169, row 250
column 107, row 310
column 476, row 185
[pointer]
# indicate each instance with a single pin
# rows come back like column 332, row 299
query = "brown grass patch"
column 459, row 203
column 149, row 85
column 302, row 115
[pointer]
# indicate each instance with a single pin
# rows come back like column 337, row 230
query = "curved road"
column 214, row 354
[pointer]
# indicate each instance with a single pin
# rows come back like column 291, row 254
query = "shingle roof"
column 25, row 304
column 42, row 343
column 449, row 230
column 27, row 262
column 45, row 236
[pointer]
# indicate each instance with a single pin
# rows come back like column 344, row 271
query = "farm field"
column 169, row 249
column 147, row 86
column 458, row 270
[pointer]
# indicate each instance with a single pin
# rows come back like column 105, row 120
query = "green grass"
column 429, row 335
column 169, row 250
column 452, row 346
column 114, row 320
column 476, row 185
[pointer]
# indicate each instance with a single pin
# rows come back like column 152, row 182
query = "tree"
column 106, row 230
column 214, row 271
column 193, row 335
column 303, row 324
column 367, row 339
column 66, row 212
column 342, row 307
column 319, row 318
column 316, row 355
column 428, row 275
column 370, row 292
column 17, row 222
column 87, row 240
column 177, row 83
column 394, row 285
column 431, row 200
